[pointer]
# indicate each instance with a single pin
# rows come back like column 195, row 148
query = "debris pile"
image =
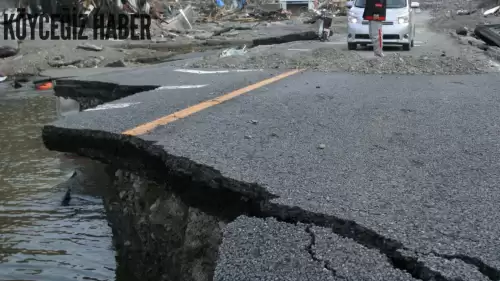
column 332, row 60
column 218, row 14
column 334, row 8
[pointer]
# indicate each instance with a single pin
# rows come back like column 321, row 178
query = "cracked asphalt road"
column 397, row 172
column 379, row 175
column 258, row 249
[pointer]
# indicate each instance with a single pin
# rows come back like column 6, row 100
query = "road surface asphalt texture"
column 394, row 177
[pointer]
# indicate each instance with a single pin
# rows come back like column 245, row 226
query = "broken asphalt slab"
column 59, row 73
column 98, row 88
column 405, row 172
column 489, row 33
column 274, row 34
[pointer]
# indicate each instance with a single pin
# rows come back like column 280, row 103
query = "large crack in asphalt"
column 93, row 93
column 229, row 198
column 488, row 271
column 326, row 264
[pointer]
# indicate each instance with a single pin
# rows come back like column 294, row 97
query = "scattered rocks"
column 203, row 36
column 8, row 47
column 90, row 62
column 465, row 12
column 89, row 47
column 462, row 31
column 7, row 51
column 232, row 34
column 332, row 60
column 478, row 43
column 17, row 84
column 118, row 63
column 58, row 62
column 493, row 52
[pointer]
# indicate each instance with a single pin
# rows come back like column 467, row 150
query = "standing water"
column 39, row 238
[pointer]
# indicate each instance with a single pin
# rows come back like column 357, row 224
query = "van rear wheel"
column 352, row 46
column 406, row 47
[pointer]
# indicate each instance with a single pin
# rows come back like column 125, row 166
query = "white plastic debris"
column 233, row 52
column 491, row 11
column 185, row 18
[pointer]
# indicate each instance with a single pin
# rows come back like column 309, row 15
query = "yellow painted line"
column 147, row 127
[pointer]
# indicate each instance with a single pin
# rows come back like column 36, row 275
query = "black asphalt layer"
column 160, row 75
column 151, row 105
column 413, row 158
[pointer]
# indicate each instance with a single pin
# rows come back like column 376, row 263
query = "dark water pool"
column 40, row 239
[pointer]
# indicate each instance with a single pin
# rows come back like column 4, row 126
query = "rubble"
column 89, row 47
column 118, row 63
column 219, row 14
column 8, row 47
column 487, row 34
column 462, row 31
column 233, row 52
column 491, row 11
column 8, row 51
column 332, row 60
column 59, row 62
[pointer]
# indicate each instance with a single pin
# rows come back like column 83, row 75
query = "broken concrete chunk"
column 462, row 31
column 118, row 63
column 89, row 47
column 465, row 12
column 223, row 30
column 233, row 52
column 8, row 47
column 7, row 51
column 204, row 36
column 478, row 43
column 232, row 34
column 61, row 63
column 90, row 62
column 491, row 11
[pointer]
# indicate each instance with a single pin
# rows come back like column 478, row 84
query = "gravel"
column 445, row 16
column 331, row 60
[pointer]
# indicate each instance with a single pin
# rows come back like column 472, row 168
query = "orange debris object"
column 44, row 86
